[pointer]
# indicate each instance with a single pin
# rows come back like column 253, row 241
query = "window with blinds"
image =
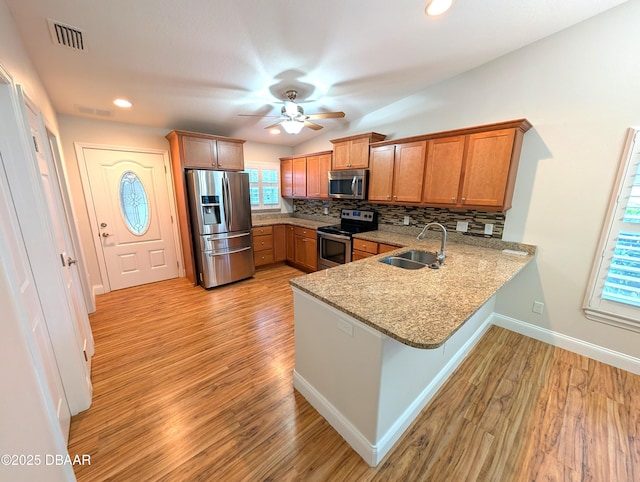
column 614, row 288
column 264, row 185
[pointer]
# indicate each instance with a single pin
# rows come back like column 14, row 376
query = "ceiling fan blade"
column 311, row 125
column 326, row 115
column 257, row 115
column 274, row 125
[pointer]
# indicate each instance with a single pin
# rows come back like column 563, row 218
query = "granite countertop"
column 420, row 308
column 258, row 221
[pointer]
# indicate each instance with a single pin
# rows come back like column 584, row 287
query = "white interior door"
column 61, row 231
column 130, row 198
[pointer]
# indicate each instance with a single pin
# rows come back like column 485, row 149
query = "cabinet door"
column 311, row 253
column 300, row 250
column 230, row 155
column 341, row 155
column 359, row 153
column 299, row 177
column 486, row 168
column 443, row 169
column 317, row 175
column 286, row 177
column 324, row 166
column 279, row 243
column 290, row 242
column 381, row 173
column 198, row 152
column 408, row 171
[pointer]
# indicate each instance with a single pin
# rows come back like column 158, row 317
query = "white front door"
column 130, row 197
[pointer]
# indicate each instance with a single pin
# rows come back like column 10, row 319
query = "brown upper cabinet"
column 472, row 168
column 286, row 176
column 353, row 152
column 318, row 167
column 397, row 171
column 305, row 176
column 299, row 176
column 443, row 169
column 203, row 151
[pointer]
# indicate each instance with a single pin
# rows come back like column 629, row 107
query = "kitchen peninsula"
column 374, row 342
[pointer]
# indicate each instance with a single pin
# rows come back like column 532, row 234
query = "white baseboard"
column 602, row 354
column 97, row 290
column 353, row 437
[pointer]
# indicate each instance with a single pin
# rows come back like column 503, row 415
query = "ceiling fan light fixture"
column 437, row 7
column 292, row 126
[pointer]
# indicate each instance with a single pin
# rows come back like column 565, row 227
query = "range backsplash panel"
column 392, row 215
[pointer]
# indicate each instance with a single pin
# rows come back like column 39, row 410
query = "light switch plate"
column 462, row 226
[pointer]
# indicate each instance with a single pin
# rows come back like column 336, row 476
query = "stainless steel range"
column 335, row 241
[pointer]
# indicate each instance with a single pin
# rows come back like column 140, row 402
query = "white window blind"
column 264, row 185
column 614, row 288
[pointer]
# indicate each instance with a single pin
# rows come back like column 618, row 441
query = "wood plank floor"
column 197, row 385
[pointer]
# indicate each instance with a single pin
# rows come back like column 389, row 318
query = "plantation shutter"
column 614, row 295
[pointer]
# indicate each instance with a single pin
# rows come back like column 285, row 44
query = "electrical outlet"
column 488, row 228
column 326, row 210
column 538, row 307
column 345, row 326
column 462, row 226
column 406, row 220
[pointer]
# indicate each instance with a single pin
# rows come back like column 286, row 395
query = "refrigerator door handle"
column 230, row 203
column 226, row 196
column 229, row 252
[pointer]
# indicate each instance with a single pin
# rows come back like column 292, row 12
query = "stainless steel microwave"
column 348, row 184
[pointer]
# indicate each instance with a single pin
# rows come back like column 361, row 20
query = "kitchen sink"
column 412, row 260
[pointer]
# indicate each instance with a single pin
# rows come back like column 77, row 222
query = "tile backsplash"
column 391, row 215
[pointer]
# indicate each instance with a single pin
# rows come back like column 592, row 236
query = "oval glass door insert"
column 134, row 204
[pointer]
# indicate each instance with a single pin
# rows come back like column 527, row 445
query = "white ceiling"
column 197, row 64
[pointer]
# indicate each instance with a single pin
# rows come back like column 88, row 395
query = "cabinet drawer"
column 366, row 246
column 383, row 248
column 262, row 230
column 261, row 258
column 356, row 255
column 305, row 232
column 263, row 243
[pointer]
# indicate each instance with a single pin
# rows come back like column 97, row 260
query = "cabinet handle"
column 464, row 199
column 453, row 199
column 388, row 197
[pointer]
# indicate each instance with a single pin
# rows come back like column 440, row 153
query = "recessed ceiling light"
column 274, row 131
column 124, row 103
column 437, row 7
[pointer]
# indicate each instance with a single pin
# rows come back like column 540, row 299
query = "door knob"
column 71, row 261
column 105, row 235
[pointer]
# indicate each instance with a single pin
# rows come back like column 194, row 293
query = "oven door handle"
column 334, row 236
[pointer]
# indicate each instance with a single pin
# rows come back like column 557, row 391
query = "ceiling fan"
column 293, row 118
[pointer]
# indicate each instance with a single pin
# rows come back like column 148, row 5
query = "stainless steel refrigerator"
column 221, row 226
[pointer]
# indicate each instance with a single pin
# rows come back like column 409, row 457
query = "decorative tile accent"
column 392, row 215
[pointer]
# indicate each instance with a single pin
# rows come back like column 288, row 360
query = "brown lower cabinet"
column 277, row 243
column 305, row 248
column 364, row 249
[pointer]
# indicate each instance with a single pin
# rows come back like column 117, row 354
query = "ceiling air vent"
column 67, row 36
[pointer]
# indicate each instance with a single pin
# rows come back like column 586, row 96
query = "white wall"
column 579, row 89
column 26, row 413
column 76, row 129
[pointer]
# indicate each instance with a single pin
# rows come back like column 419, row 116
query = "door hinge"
column 165, row 168
column 84, row 352
column 35, row 143
column 171, row 219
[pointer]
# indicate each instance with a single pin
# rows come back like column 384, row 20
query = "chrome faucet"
column 441, row 255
